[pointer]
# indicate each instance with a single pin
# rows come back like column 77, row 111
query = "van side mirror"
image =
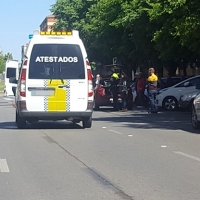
column 14, row 90
column 186, row 84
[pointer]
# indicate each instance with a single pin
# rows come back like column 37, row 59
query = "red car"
column 103, row 94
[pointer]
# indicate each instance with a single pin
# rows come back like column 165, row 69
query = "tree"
column 2, row 62
column 3, row 59
column 8, row 56
column 140, row 33
column 122, row 29
column 178, row 37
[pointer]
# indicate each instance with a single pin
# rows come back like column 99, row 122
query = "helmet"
column 115, row 75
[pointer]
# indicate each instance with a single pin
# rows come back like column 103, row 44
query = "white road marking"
column 4, row 166
column 8, row 99
column 187, row 155
column 130, row 135
column 103, row 127
column 163, row 146
column 116, row 132
column 139, row 123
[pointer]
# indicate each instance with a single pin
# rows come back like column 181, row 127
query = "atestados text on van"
column 56, row 59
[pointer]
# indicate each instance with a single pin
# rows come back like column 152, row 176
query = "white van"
column 11, row 76
column 55, row 81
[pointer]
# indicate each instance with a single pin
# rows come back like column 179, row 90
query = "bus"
column 11, row 76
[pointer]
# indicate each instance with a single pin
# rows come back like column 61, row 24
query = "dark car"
column 195, row 117
column 186, row 100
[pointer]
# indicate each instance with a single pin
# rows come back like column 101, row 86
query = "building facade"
column 48, row 22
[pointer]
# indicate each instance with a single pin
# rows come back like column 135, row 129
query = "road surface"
column 124, row 156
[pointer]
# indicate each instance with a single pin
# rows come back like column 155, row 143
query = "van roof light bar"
column 57, row 33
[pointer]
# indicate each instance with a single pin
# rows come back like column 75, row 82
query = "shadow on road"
column 41, row 125
column 140, row 119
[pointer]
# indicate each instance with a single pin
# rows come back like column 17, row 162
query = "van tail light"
column 90, row 85
column 23, row 83
column 25, row 62
column 89, row 74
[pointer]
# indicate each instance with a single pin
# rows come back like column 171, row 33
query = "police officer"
column 115, row 89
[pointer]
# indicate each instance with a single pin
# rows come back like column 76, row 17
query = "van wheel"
column 20, row 121
column 5, row 93
column 87, row 122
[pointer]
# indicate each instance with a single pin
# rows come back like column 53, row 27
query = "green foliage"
column 3, row 59
column 138, row 32
column 2, row 62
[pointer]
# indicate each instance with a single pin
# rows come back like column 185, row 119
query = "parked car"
column 195, row 117
column 168, row 98
column 103, row 95
column 186, row 100
column 175, row 80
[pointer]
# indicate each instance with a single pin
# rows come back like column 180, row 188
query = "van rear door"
column 56, row 79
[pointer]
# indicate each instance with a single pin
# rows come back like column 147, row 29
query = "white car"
column 168, row 98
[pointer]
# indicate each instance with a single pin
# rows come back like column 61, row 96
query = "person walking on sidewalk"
column 141, row 84
column 152, row 90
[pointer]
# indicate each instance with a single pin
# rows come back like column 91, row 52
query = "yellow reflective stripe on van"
column 61, row 97
column 57, row 102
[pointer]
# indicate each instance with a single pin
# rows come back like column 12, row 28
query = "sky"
column 18, row 19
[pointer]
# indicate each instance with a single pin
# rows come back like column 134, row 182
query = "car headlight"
column 187, row 97
column 182, row 97
column 192, row 96
column 162, row 90
column 197, row 99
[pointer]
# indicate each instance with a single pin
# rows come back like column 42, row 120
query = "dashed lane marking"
column 4, row 166
column 8, row 99
column 187, row 155
column 116, row 132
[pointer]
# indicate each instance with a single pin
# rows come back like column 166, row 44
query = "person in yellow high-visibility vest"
column 152, row 90
column 115, row 90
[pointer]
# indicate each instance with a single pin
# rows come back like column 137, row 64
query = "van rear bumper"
column 53, row 115
column 41, row 115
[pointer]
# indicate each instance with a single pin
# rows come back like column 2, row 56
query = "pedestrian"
column 136, row 82
column 152, row 90
column 98, row 81
column 123, row 91
column 115, row 90
column 141, row 85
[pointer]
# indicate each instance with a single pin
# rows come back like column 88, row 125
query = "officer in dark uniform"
column 115, row 89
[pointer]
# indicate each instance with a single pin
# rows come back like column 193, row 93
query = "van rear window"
column 56, row 61
column 11, row 72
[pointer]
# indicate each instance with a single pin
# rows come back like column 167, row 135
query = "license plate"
column 42, row 93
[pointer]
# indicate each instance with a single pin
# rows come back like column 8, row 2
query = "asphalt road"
column 131, row 156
